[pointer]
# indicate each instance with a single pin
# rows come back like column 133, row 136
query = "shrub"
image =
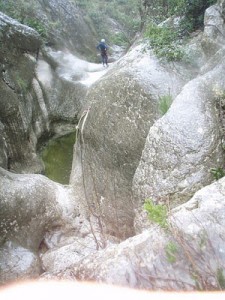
column 35, row 24
column 156, row 213
column 165, row 42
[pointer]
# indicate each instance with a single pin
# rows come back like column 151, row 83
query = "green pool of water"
column 58, row 156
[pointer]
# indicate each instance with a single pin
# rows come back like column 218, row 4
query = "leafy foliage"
column 156, row 213
column 217, row 173
column 165, row 42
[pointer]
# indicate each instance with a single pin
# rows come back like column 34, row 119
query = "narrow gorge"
column 126, row 155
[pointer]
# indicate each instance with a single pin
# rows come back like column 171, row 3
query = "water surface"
column 58, row 156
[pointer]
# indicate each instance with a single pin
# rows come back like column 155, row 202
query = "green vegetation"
column 171, row 252
column 156, row 213
column 165, row 103
column 191, row 11
column 35, row 24
column 217, row 173
column 165, row 42
column 22, row 84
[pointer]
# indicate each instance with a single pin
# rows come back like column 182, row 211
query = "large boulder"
column 184, row 145
column 186, row 255
column 31, row 206
column 121, row 108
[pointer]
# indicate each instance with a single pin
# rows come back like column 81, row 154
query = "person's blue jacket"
column 102, row 47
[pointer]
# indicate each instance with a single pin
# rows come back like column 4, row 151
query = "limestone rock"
column 121, row 108
column 32, row 106
column 3, row 148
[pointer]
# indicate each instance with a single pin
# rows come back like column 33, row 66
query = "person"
column 103, row 47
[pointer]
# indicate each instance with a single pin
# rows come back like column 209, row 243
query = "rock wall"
column 35, row 100
column 19, row 45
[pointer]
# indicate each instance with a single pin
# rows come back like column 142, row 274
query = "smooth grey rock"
column 25, row 212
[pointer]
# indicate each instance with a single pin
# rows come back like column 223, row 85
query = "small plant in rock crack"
column 157, row 213
column 165, row 103
column 171, row 251
column 217, row 173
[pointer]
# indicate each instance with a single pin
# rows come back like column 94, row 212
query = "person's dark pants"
column 104, row 59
